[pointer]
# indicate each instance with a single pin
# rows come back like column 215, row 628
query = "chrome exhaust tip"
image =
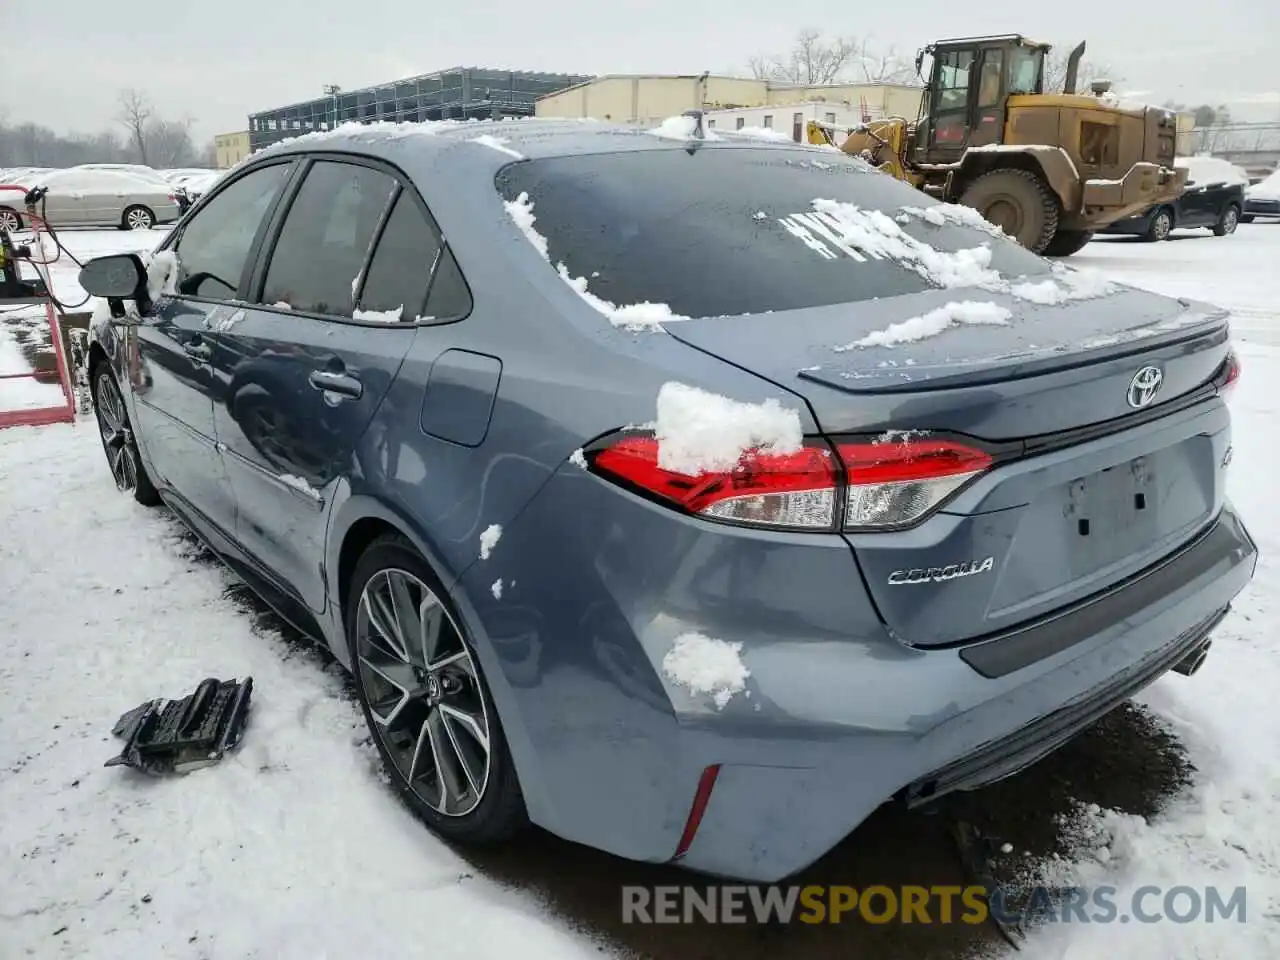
column 1194, row 660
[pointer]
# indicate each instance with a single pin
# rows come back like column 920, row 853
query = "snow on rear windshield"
column 683, row 228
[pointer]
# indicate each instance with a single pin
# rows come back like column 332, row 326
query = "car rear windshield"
column 712, row 231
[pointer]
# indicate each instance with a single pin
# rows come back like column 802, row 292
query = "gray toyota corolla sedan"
column 685, row 494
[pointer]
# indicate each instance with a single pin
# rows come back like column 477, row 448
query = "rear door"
column 1196, row 207
column 303, row 369
column 175, row 393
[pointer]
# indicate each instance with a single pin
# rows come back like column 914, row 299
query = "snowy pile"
column 702, row 432
column 933, row 323
column 706, row 667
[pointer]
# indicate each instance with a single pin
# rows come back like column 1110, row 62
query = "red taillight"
column 886, row 484
column 764, row 489
column 1230, row 374
column 894, row 483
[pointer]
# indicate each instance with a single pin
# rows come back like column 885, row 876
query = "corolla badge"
column 941, row 574
column 1144, row 386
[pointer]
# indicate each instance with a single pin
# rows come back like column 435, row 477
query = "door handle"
column 340, row 383
column 198, row 349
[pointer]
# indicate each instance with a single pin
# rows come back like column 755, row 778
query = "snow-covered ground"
column 295, row 846
column 1225, row 831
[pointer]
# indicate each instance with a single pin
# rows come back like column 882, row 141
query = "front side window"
column 953, row 92
column 318, row 259
column 215, row 243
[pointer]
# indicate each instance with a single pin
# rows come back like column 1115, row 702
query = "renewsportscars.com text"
column 927, row 905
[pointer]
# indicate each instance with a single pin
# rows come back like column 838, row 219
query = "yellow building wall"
column 231, row 148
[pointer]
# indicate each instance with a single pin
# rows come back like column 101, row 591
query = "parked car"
column 1214, row 197
column 392, row 379
column 97, row 198
column 1262, row 200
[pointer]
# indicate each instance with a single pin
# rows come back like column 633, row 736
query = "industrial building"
column 649, row 99
column 456, row 94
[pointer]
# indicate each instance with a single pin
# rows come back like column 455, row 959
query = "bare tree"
column 135, row 113
column 169, row 143
column 811, row 61
column 886, row 66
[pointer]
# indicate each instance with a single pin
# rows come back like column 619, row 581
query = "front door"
column 949, row 115
column 175, row 387
column 988, row 119
column 304, row 367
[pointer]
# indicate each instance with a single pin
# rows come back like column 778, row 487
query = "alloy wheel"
column 117, row 438
column 9, row 221
column 1162, row 226
column 1230, row 220
column 138, row 219
column 420, row 682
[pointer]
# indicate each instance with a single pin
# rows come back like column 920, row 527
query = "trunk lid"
column 1089, row 490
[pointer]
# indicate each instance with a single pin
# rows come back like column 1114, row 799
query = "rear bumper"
column 836, row 718
column 960, row 731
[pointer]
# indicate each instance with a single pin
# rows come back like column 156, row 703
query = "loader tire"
column 1067, row 242
column 1017, row 201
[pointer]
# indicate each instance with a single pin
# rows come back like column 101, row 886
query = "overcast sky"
column 216, row 62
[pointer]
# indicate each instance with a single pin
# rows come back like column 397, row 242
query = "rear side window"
column 215, row 242
column 412, row 270
column 713, row 232
column 323, row 245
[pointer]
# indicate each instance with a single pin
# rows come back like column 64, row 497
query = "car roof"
column 487, row 145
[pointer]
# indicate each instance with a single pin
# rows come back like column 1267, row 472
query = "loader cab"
column 969, row 82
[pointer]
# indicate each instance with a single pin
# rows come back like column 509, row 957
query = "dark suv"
column 1213, row 198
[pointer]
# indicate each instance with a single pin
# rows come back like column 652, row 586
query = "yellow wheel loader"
column 1047, row 168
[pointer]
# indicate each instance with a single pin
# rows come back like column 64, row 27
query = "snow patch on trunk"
column 933, row 323
column 705, row 666
column 496, row 589
column 1065, row 285
column 578, row 458
column 702, row 432
column 489, row 539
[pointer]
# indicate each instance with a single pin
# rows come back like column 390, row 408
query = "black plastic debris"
column 178, row 736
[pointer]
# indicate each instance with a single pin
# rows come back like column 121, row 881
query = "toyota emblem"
column 1144, row 386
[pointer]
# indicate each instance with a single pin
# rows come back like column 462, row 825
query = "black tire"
column 137, row 217
column 118, row 442
column 10, row 220
column 1246, row 218
column 1160, row 227
column 1228, row 222
column 500, row 812
column 1017, row 201
column 1067, row 242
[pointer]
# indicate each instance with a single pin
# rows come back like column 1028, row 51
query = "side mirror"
column 117, row 278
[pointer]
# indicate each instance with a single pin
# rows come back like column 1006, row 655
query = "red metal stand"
column 60, row 413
